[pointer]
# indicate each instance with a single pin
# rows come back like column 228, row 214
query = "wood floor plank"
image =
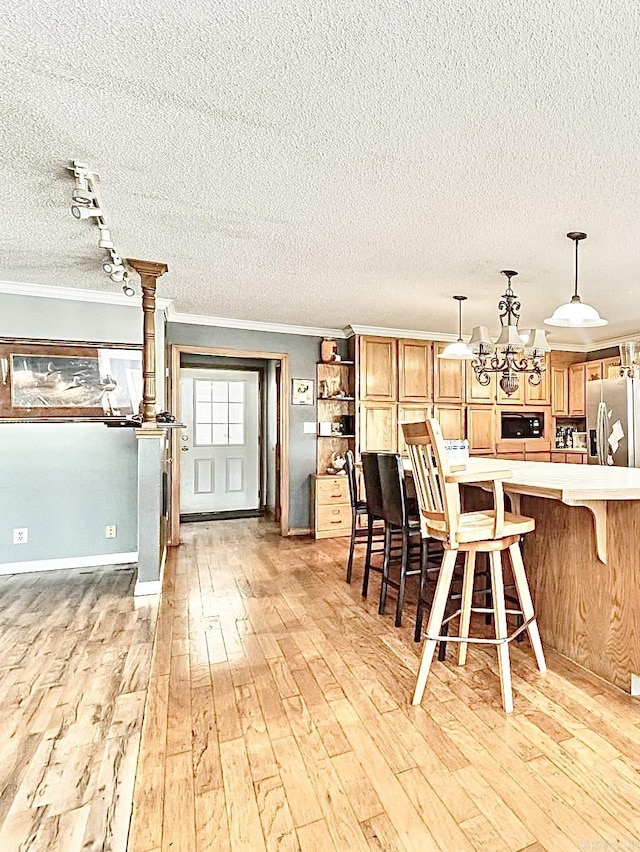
column 242, row 809
column 179, row 821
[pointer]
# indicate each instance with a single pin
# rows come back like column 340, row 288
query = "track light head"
column 118, row 274
column 128, row 290
column 83, row 197
column 80, row 212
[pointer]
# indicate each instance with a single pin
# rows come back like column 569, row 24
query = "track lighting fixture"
column 81, row 212
column 86, row 205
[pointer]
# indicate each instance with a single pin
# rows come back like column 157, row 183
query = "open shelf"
column 336, row 363
column 336, row 436
column 336, row 399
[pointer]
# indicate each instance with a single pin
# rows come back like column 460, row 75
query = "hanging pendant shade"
column 459, row 350
column 575, row 314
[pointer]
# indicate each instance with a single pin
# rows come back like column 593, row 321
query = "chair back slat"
column 439, row 500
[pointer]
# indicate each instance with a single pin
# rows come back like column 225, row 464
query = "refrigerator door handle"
column 600, row 433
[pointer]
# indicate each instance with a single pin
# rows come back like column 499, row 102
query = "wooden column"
column 149, row 271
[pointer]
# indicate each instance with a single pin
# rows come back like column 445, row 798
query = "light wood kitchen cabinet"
column 611, row 368
column 451, row 419
column 569, row 457
column 516, row 398
column 415, row 370
column 411, row 414
column 331, row 506
column 577, row 378
column 378, row 427
column 481, row 428
column 594, row 370
column 448, row 377
column 378, row 368
column 559, row 391
column 476, row 393
column 538, row 394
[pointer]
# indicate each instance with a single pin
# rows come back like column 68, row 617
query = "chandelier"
column 514, row 353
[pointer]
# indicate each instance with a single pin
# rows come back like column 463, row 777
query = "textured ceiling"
column 322, row 163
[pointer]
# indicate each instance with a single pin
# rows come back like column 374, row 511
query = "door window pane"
column 219, row 412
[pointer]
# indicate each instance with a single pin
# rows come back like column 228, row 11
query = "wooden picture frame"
column 68, row 380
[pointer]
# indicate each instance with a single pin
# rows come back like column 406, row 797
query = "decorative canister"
column 328, row 348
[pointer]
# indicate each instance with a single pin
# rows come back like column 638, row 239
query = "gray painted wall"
column 67, row 481
column 303, row 352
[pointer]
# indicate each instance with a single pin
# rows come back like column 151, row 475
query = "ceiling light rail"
column 86, row 205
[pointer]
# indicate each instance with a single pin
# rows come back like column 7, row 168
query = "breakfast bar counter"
column 583, row 560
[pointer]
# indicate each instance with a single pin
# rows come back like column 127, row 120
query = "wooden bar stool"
column 491, row 531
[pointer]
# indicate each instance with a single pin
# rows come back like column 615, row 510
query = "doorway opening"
column 231, row 459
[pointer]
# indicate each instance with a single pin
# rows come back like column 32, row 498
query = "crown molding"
column 252, row 325
column 379, row 331
column 76, row 294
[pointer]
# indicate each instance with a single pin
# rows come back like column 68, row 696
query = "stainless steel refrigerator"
column 613, row 422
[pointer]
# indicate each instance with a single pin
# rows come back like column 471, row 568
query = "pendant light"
column 575, row 314
column 458, row 350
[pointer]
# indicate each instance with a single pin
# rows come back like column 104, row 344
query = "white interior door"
column 219, row 452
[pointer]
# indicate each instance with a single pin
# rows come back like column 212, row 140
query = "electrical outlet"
column 110, row 531
column 21, row 535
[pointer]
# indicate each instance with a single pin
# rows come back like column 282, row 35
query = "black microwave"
column 521, row 425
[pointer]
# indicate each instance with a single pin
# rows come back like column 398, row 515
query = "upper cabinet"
column 538, row 394
column 477, row 393
column 577, row 378
column 452, row 421
column 448, row 377
column 414, row 370
column 594, row 371
column 378, row 368
column 559, row 391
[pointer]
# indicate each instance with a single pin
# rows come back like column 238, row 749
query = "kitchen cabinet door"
column 477, row 393
column 559, row 391
column 539, row 457
column 594, row 370
column 414, row 370
column 378, row 368
column 481, row 428
column 577, row 378
column 448, row 377
column 538, row 394
column 411, row 414
column 611, row 368
column 452, row 420
column 378, row 427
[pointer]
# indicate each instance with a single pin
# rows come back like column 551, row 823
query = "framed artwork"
column 61, row 380
column 302, row 391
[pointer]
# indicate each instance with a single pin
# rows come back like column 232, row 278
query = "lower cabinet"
column 331, row 506
column 568, row 457
column 481, row 428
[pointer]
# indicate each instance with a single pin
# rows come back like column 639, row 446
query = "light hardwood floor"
column 74, row 671
column 278, row 716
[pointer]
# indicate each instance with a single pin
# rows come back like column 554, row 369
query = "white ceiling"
column 322, row 163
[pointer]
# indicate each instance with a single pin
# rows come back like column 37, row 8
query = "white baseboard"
column 148, row 587
column 105, row 559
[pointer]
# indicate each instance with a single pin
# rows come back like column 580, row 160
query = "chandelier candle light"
column 509, row 356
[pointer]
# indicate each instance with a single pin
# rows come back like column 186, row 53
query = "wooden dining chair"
column 490, row 531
